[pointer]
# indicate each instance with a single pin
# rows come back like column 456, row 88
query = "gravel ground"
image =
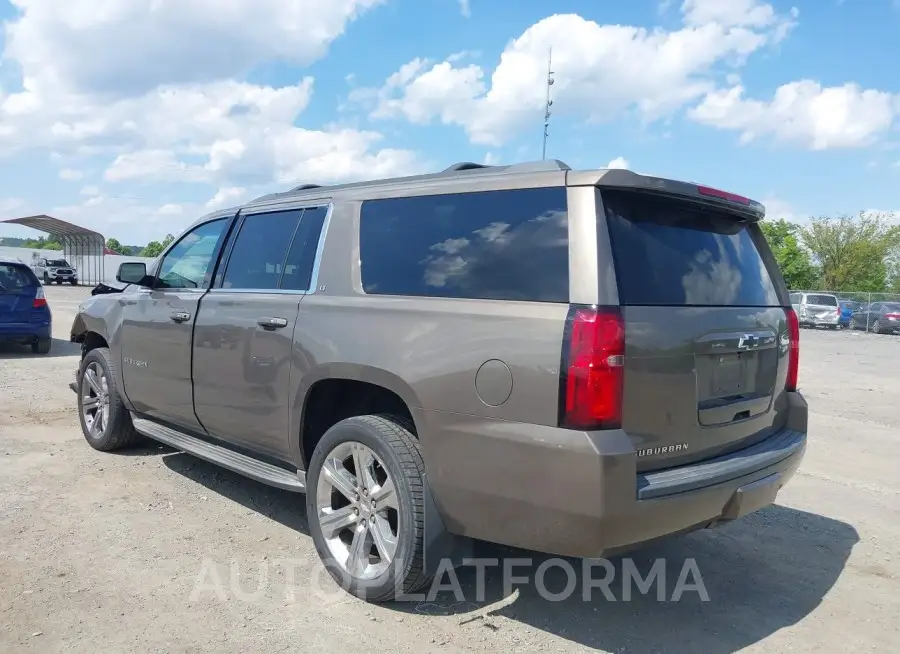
column 115, row 553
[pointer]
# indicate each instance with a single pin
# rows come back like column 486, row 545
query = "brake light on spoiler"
column 723, row 195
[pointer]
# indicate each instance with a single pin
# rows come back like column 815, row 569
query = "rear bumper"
column 579, row 494
column 24, row 332
column 822, row 321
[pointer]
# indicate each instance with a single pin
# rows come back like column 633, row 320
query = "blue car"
column 24, row 314
column 848, row 308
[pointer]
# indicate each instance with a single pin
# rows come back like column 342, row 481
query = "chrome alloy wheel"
column 95, row 400
column 358, row 510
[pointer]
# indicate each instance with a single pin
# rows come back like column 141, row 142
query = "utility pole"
column 548, row 104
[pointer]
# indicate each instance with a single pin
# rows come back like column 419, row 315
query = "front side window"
column 497, row 245
column 190, row 262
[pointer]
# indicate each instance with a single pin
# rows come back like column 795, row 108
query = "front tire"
column 105, row 421
column 73, row 282
column 369, row 526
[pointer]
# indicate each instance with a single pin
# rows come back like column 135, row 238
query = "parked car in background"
column 817, row 309
column 389, row 349
column 878, row 317
column 55, row 270
column 24, row 313
column 848, row 308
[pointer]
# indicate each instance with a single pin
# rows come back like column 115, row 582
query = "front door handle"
column 181, row 316
column 272, row 323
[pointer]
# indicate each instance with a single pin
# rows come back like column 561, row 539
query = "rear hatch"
column 18, row 286
column 706, row 336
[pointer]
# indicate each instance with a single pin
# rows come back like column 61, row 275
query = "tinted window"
column 14, row 277
column 190, row 262
column 891, row 307
column 257, row 258
column 668, row 252
column 822, row 300
column 61, row 263
column 500, row 245
column 302, row 255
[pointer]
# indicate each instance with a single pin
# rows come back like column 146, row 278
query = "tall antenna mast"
column 548, row 104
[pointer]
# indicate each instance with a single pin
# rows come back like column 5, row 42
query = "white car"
column 55, row 270
column 817, row 309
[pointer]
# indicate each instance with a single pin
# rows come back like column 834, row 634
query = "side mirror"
column 132, row 273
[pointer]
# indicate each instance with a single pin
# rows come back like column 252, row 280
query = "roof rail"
column 538, row 166
column 304, row 187
column 464, row 165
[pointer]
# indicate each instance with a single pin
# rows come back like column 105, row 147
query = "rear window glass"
column 672, row 253
column 822, row 300
column 497, row 245
column 892, row 307
column 15, row 277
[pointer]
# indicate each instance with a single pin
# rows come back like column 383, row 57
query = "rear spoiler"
column 747, row 209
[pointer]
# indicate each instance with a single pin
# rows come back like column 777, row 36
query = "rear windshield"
column 822, row 300
column 14, row 277
column 892, row 307
column 672, row 253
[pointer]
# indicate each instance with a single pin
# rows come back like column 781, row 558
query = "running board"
column 222, row 456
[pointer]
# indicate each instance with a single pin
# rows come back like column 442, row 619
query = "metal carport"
column 83, row 248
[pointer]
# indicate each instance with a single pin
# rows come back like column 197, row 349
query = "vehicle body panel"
column 242, row 371
column 817, row 309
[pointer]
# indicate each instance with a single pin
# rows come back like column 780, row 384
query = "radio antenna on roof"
column 548, row 104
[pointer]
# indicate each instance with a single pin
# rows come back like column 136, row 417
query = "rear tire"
column 42, row 346
column 105, row 421
column 379, row 573
column 876, row 327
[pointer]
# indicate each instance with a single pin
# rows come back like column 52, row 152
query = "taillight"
column 794, row 350
column 40, row 300
column 593, row 366
column 892, row 316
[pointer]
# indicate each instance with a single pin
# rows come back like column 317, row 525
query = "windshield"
column 822, row 300
column 57, row 262
column 673, row 253
column 15, row 277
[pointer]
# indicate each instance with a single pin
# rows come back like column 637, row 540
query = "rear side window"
column 497, row 245
column 14, row 277
column 301, row 258
column 674, row 253
column 257, row 258
column 822, row 300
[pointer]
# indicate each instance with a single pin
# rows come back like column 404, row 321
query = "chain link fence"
column 859, row 310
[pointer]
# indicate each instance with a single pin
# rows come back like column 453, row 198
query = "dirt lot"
column 103, row 552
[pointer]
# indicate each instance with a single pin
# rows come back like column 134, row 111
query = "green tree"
column 154, row 248
column 795, row 262
column 43, row 243
column 115, row 246
column 853, row 251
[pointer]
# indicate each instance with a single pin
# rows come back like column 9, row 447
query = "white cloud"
column 777, row 209
column 226, row 196
column 619, row 162
column 144, row 86
column 70, row 175
column 600, row 70
column 465, row 8
column 116, row 47
column 803, row 113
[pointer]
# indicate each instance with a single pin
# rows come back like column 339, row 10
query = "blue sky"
column 134, row 117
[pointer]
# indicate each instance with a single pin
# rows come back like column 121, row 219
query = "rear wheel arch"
column 328, row 400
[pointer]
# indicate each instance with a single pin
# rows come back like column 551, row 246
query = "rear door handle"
column 181, row 316
column 272, row 323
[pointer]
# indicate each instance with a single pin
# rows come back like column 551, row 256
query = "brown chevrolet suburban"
column 575, row 362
